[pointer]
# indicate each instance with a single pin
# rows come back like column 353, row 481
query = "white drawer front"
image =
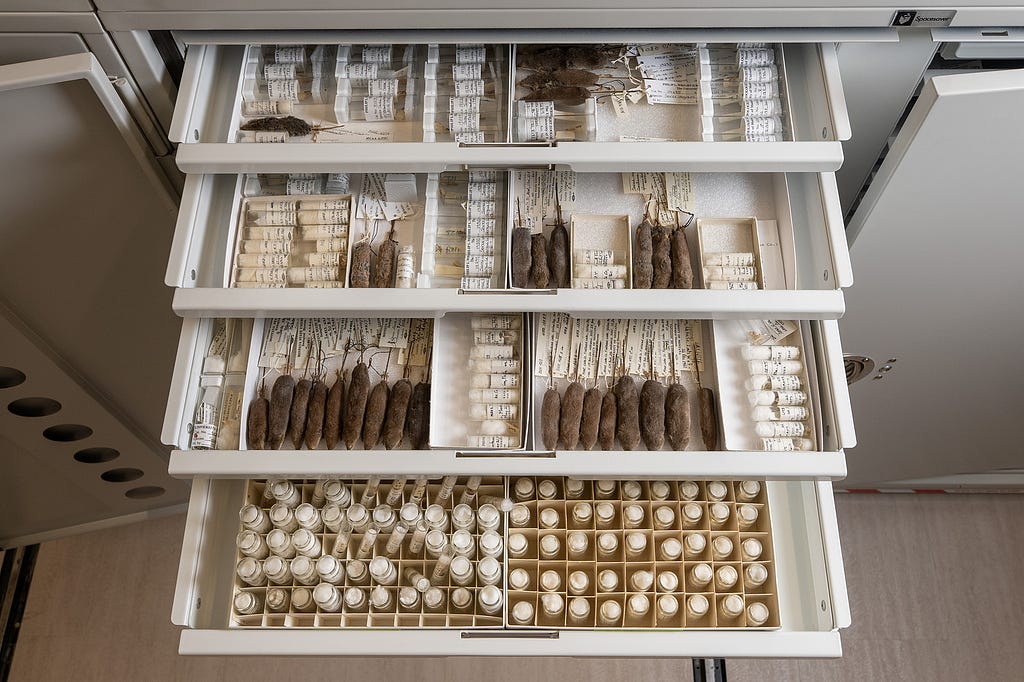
column 830, row 399
column 808, row 572
column 209, row 102
column 804, row 206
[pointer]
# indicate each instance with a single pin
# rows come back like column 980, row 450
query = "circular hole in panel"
column 144, row 493
column 10, row 377
column 96, row 455
column 122, row 475
column 65, row 433
column 34, row 407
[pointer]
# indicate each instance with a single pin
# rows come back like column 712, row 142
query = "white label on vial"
column 480, row 209
column 470, row 54
column 594, row 257
column 281, row 218
column 469, row 88
column 377, row 53
column 262, row 108
column 464, row 122
column 480, row 226
column 476, row 283
column 323, row 260
column 272, row 71
column 285, row 89
column 472, row 137
column 471, row 71
column 263, row 260
column 751, row 91
column 479, row 266
column 328, row 245
column 464, row 105
column 302, row 186
column 270, row 136
column 324, row 216
column 483, row 176
column 538, row 129
column 537, row 109
column 586, row 283
column 387, row 87
column 759, row 74
column 360, row 72
column 289, row 53
column 493, row 442
column 480, row 246
column 204, row 430
column 755, row 57
column 379, row 108
column 266, row 246
column 762, row 125
column 482, row 191
column 778, row 444
column 761, row 108
column 324, row 231
column 500, row 410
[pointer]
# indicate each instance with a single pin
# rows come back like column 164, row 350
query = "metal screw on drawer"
column 192, row 274
column 877, row 377
column 891, row 360
column 823, row 606
column 886, row 368
column 824, row 133
column 199, row 602
column 825, row 275
column 195, row 134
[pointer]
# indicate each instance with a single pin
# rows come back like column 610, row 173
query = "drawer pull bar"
column 508, row 292
column 546, row 454
column 508, row 145
column 510, row 634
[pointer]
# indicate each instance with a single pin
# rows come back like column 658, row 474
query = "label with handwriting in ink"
column 327, row 259
column 471, row 71
column 323, row 216
column 679, row 191
column 642, row 138
column 482, row 191
column 545, row 343
column 752, row 137
column 343, row 329
column 270, row 136
column 266, row 246
column 639, row 183
column 289, row 53
column 590, row 340
column 666, row 67
column 481, row 209
column 755, row 57
column 283, row 88
column 562, row 332
column 493, row 442
column 479, row 266
column 342, row 133
column 565, row 181
column 759, row 74
column 480, row 246
column 469, row 88
column 769, row 332
column 302, row 186
column 303, row 338
column 635, row 95
column 751, row 91
column 764, row 125
column 373, row 186
column 694, row 343
column 778, row 444
column 449, row 249
column 469, row 283
column 500, row 410
column 679, row 358
column 279, row 71
column 661, row 349
column 667, row 92
column 362, row 72
column 270, row 107
column 635, row 347
column 330, row 244
column 300, row 274
column 595, row 283
column 463, row 122
column 762, row 108
column 537, row 109
column 609, row 342
column 472, row 137
column 277, row 218
column 219, row 343
column 277, row 342
column 594, row 257
column 377, row 53
column 420, row 341
column 464, row 105
column 481, row 227
column 537, row 129
column 618, row 101
column 394, row 333
column 483, row 176
column 382, row 87
column 262, row 275
column 323, row 332
column 324, row 231
column 263, row 260
column 470, row 54
column 379, row 108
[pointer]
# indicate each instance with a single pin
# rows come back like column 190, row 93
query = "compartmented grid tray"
column 593, row 562
column 420, row 617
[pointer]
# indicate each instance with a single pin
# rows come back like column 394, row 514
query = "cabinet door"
column 87, row 221
column 937, row 247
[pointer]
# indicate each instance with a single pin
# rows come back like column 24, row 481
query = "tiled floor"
column 936, row 584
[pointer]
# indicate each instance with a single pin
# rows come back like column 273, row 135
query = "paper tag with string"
column 529, row 208
column 345, row 330
column 679, row 192
column 610, row 347
column 680, row 360
column 694, row 343
column 277, row 338
column 589, row 345
column 769, row 332
column 421, row 338
column 305, row 340
column 634, row 347
column 618, row 101
column 323, row 332
column 563, row 345
column 545, row 326
column 662, row 349
column 575, row 345
column 367, row 331
column 639, row 183
column 394, row 333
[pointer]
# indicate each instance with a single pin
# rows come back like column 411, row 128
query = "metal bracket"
column 709, row 669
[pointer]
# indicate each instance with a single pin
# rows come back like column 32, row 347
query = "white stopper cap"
column 688, row 490
column 524, row 488
column 582, row 512
column 549, row 544
column 576, row 542
column 668, row 605
column 605, row 512
column 642, row 580
column 518, row 579
column 550, row 581
column 722, row 546
column 408, row 597
column 636, row 542
column 461, row 568
column 548, row 518
column 633, row 513
column 490, row 596
column 605, row 486
column 750, row 489
column 664, row 516
column 671, row 549
column 756, row 574
column 355, row 598
column 434, row 597
column 752, row 549
column 516, row 543
column 573, row 487
column 579, row 608
column 747, row 513
column 608, row 580
column 757, row 613
column 698, row 604
column 639, row 604
column 324, row 593
column 732, row 606
column 727, row 576
column 522, row 613
column 692, row 512
column 631, row 490
column 695, row 543
column 579, row 582
column 611, row 612
column 717, row 490
column 607, row 542
column 719, row 512
column 547, row 489
column 660, row 490
column 553, row 604
column 702, row 574
column 667, row 581
column 520, row 515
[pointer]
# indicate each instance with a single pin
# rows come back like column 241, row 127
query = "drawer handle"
column 510, row 634
column 508, row 292
column 544, row 454
column 509, row 145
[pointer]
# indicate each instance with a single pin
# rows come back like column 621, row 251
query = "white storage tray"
column 205, row 118
column 811, row 587
column 805, row 206
column 836, row 428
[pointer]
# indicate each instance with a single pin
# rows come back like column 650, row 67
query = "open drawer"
column 808, row 595
column 799, row 223
column 202, row 386
column 418, row 128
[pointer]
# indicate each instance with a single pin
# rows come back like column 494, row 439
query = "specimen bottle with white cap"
column 490, row 600
column 356, row 599
column 552, row 607
column 330, row 570
column 635, row 545
column 697, row 606
column 579, row 611
column 248, row 603
column 358, row 517
column 461, row 570
column 607, row 581
column 577, row 544
column 754, row 576
column 255, row 519
column 549, row 518
column 547, row 490
column 277, row 599
column 307, row 543
column 304, row 570
column 277, row 570
column 328, row 597
column 550, row 546
column 610, row 613
column 579, row 583
column 605, row 514
column 730, row 607
column 700, row 575
column 582, row 516
column 518, row 579
column 250, row 571
column 382, row 599
column 522, row 613
column 667, row 609
column 550, row 581
column 280, row 543
column 488, row 571
column 282, row 516
column 251, row 544
column 461, row 599
column 308, row 517
column 757, row 614
column 491, row 544
column 664, row 517
column 302, row 600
